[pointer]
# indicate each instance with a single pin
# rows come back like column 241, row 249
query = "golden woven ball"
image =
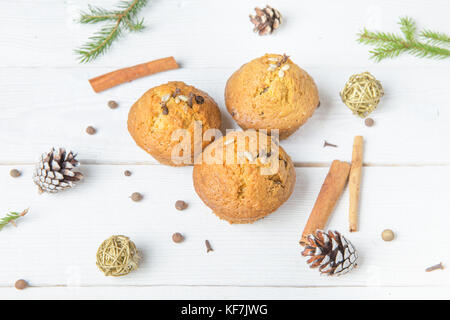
column 117, row 256
column 362, row 94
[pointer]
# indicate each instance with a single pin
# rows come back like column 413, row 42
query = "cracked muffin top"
column 154, row 119
column 271, row 92
column 244, row 176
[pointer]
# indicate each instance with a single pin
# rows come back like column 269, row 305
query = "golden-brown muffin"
column 243, row 180
column 271, row 92
column 154, row 119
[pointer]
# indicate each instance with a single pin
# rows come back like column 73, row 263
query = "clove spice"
column 435, row 267
column 208, row 246
column 327, row 144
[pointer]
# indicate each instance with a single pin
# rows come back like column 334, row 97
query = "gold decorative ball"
column 117, row 256
column 362, row 94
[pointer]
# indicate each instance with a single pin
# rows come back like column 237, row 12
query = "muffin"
column 271, row 92
column 244, row 176
column 155, row 119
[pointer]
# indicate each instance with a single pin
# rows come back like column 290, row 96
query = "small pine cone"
column 266, row 20
column 331, row 252
column 54, row 171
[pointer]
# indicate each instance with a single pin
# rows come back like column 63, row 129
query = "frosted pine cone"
column 54, row 172
column 266, row 20
column 331, row 252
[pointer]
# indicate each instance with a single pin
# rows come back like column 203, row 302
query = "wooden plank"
column 56, row 243
column 199, row 33
column 47, row 106
column 226, row 293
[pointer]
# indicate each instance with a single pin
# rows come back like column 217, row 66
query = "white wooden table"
column 46, row 100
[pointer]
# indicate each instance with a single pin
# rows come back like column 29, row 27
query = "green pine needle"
column 435, row 38
column 11, row 217
column 119, row 20
column 389, row 45
column 408, row 28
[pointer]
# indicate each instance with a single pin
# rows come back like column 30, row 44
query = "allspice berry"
column 181, row 205
column 127, row 173
column 177, row 237
column 387, row 235
column 113, row 104
column 91, row 130
column 15, row 173
column 369, row 122
column 21, row 284
column 136, row 196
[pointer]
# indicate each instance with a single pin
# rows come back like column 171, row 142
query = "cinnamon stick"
column 355, row 182
column 329, row 194
column 120, row 76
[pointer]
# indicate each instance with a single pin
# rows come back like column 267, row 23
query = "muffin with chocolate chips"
column 155, row 118
column 244, row 176
column 271, row 92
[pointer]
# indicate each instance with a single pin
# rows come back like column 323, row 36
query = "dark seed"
column 136, row 196
column 112, row 104
column 127, row 173
column 199, row 99
column 21, row 284
column 15, row 173
column 177, row 92
column 91, row 130
column 177, row 237
column 369, row 122
column 165, row 111
column 181, row 205
column 189, row 102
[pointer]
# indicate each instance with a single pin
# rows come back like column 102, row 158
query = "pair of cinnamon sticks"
column 332, row 188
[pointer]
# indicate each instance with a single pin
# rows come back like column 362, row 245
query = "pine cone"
column 332, row 253
column 54, row 172
column 266, row 20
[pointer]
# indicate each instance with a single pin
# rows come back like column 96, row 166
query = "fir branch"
column 435, row 38
column 95, row 15
column 389, row 45
column 11, row 218
column 408, row 28
column 101, row 41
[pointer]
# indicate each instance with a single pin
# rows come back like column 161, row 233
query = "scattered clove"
column 327, row 144
column 208, row 246
column 435, row 267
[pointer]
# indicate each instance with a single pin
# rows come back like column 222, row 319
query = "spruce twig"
column 435, row 38
column 11, row 218
column 389, row 45
column 118, row 20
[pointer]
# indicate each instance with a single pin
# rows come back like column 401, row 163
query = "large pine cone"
column 54, row 172
column 331, row 252
column 266, row 20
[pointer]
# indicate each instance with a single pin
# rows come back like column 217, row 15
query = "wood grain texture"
column 411, row 125
column 55, row 244
column 46, row 101
column 226, row 292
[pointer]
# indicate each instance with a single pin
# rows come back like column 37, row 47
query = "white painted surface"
column 46, row 100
